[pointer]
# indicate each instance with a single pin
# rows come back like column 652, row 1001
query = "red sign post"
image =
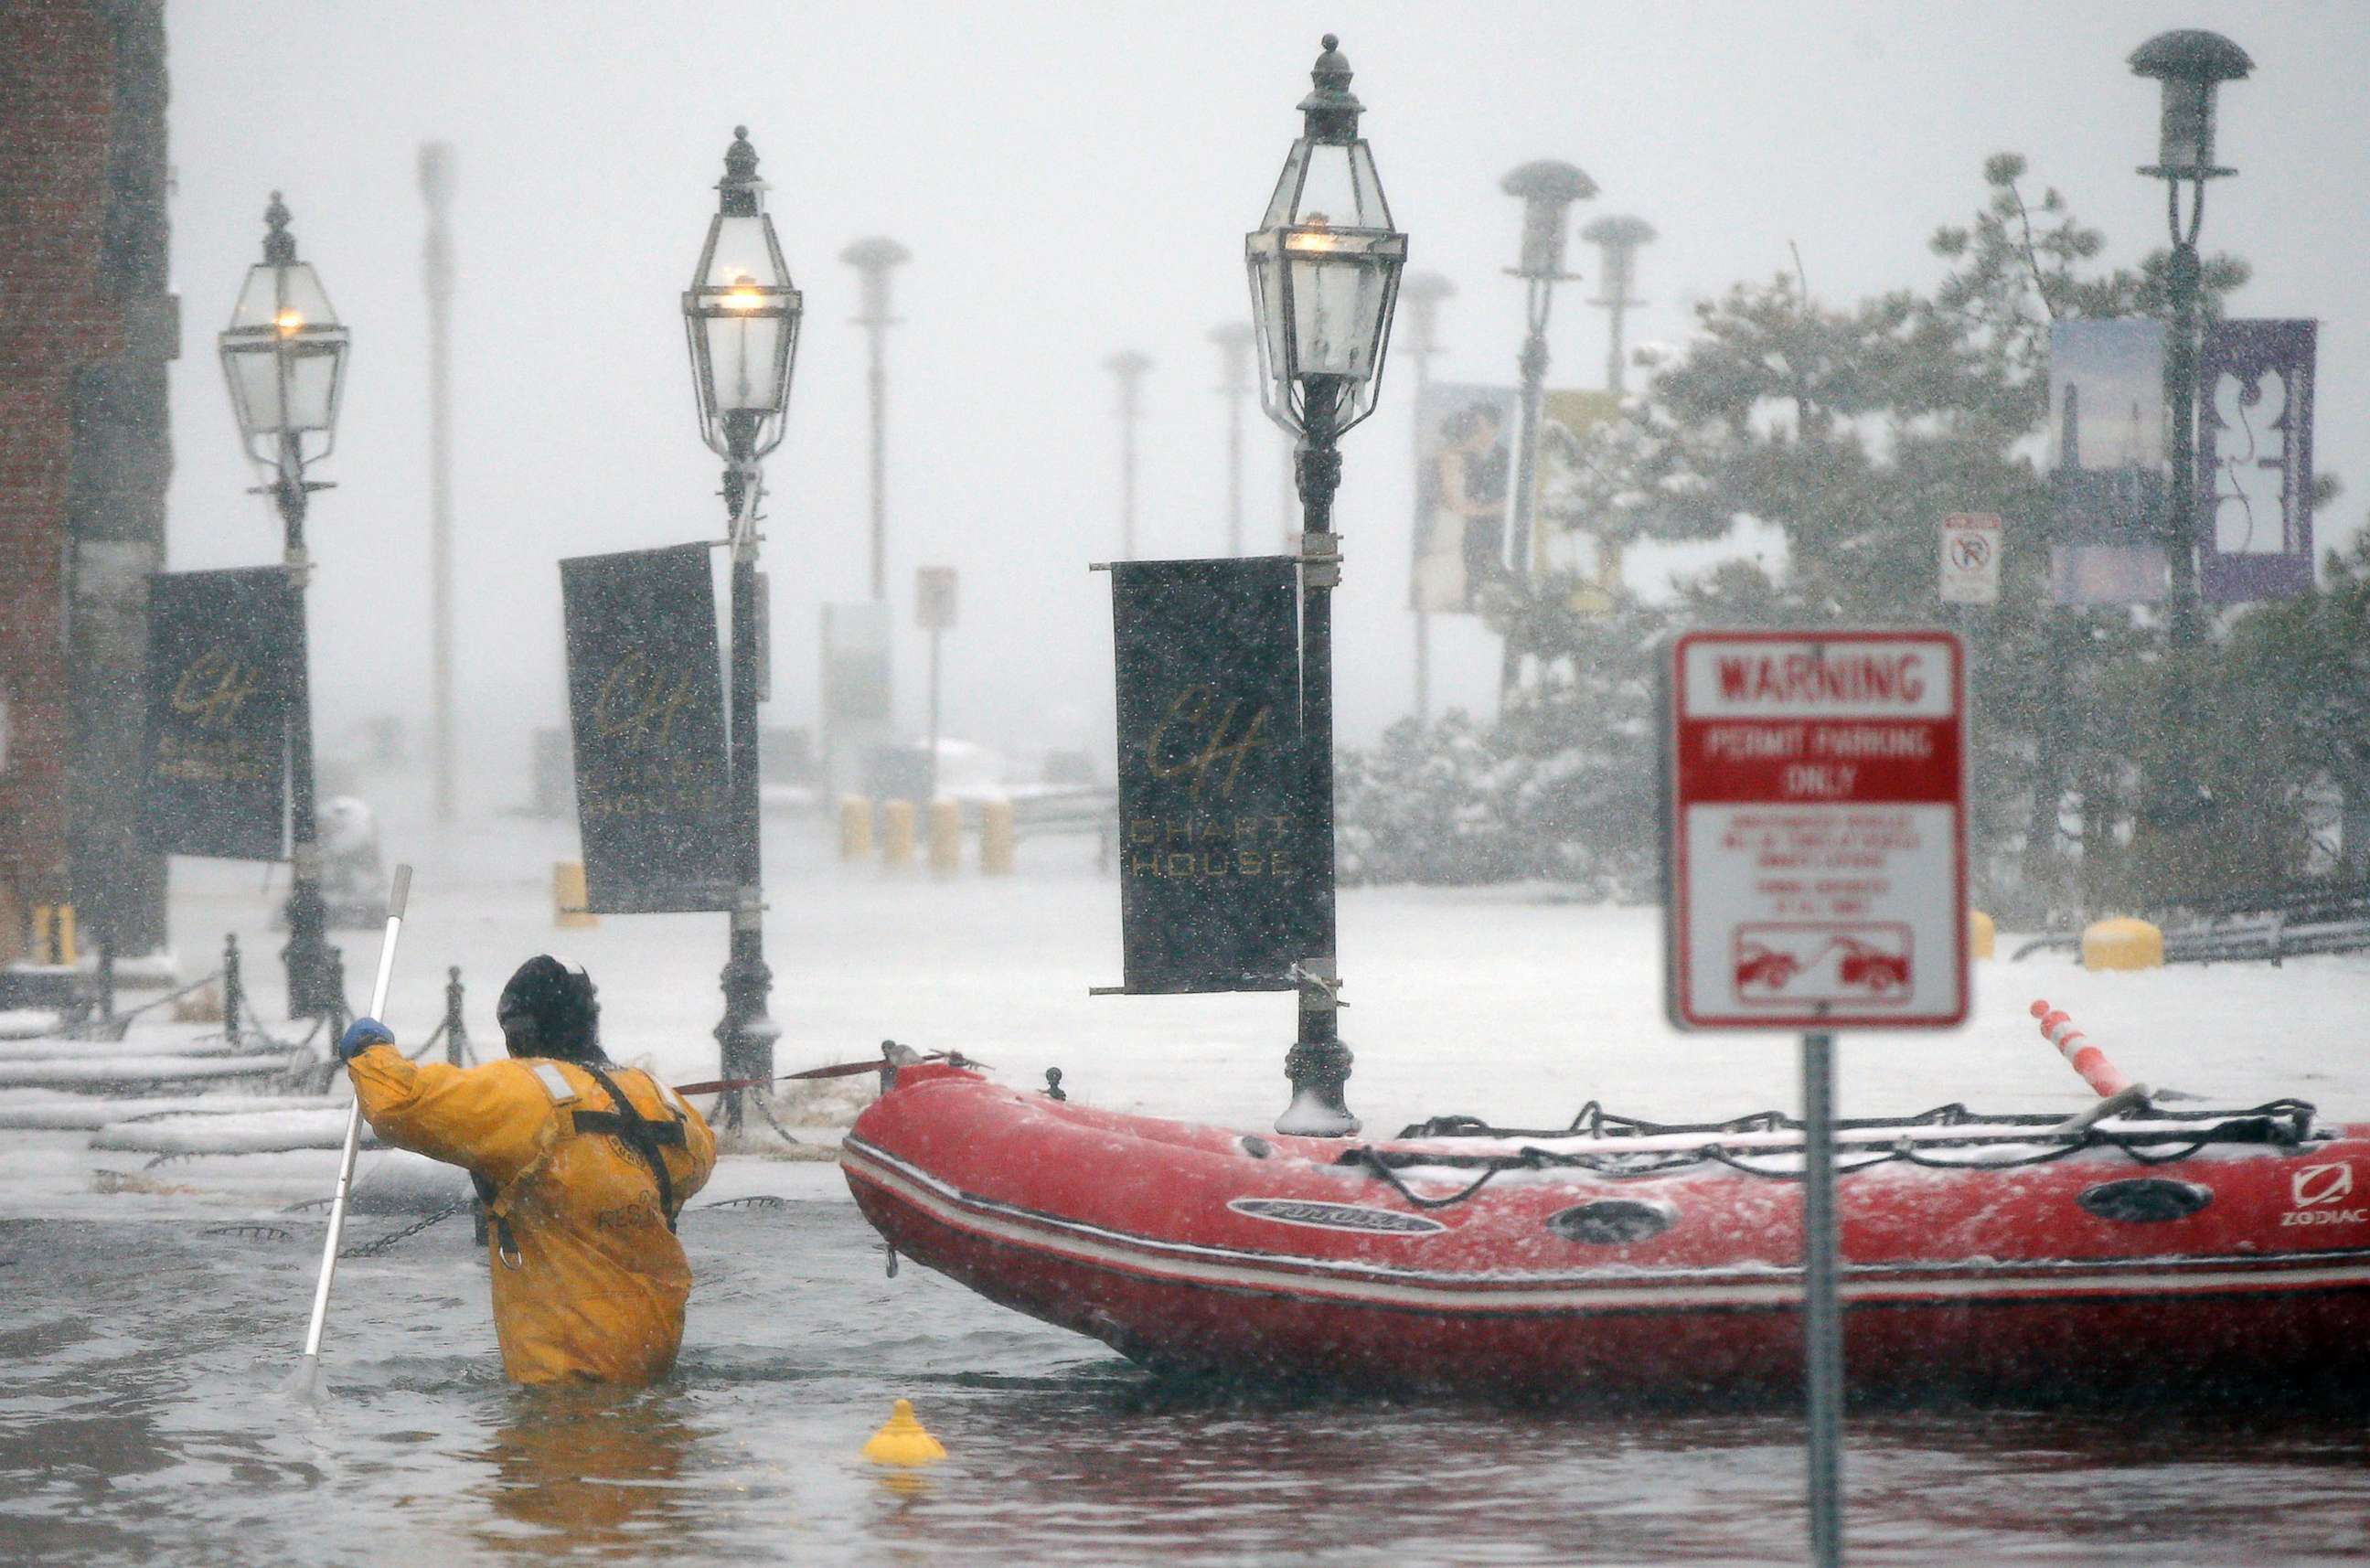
column 1817, row 847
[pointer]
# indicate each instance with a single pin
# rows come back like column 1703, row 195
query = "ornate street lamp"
column 873, row 260
column 1616, row 240
column 2192, row 64
column 1324, row 268
column 740, row 316
column 283, row 355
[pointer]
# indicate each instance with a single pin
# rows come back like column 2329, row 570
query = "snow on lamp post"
column 1324, row 266
column 2191, row 64
column 1547, row 190
column 740, row 317
column 283, row 355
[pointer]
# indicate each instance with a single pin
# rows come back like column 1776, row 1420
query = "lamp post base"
column 745, row 1037
column 1318, row 1071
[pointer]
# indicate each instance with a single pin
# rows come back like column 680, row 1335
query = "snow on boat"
column 106, row 1072
column 2148, row 1253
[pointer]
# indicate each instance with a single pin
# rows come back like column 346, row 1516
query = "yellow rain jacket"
column 588, row 1280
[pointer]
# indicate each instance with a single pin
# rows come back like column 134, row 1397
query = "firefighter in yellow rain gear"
column 583, row 1166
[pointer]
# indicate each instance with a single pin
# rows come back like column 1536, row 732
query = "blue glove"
column 361, row 1035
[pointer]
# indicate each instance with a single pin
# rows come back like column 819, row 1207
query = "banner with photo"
column 224, row 657
column 646, row 704
column 1559, row 542
column 2107, row 468
column 1464, row 468
column 1225, row 844
column 2254, row 460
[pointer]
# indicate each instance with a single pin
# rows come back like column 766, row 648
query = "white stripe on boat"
column 1650, row 1290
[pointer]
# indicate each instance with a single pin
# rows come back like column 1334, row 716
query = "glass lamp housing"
column 283, row 355
column 740, row 317
column 1324, row 266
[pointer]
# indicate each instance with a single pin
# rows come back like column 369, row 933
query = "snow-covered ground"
column 1505, row 1003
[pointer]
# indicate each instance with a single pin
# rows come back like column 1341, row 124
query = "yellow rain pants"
column 588, row 1280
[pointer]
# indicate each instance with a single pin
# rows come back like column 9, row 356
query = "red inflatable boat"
column 2151, row 1253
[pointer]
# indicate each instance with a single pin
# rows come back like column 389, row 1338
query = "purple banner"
column 2254, row 460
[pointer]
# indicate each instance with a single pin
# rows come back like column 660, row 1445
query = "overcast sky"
column 1073, row 179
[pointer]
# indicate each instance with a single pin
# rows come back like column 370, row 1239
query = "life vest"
column 648, row 1139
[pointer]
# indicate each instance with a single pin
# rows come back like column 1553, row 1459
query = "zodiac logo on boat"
column 1336, row 1216
column 2322, row 1184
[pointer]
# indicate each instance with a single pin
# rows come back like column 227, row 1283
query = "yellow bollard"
column 897, row 834
column 568, row 898
column 854, row 828
column 53, row 934
column 946, row 837
column 904, row 1441
column 2122, row 944
column 1982, row 935
column 997, row 838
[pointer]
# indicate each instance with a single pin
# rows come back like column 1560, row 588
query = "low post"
column 854, row 828
column 946, row 837
column 234, row 988
column 457, row 1031
column 996, row 836
column 897, row 834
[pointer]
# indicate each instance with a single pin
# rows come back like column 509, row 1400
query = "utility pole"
column 1233, row 340
column 436, row 174
column 1421, row 294
column 1129, row 367
column 874, row 259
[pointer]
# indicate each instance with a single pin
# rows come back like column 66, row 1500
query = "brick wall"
column 85, row 329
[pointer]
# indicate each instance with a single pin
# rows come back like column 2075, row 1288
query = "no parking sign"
column 1818, row 830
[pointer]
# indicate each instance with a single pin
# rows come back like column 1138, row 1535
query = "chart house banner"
column 2254, row 460
column 1224, row 866
column 2108, row 471
column 224, row 652
column 1464, row 479
column 646, row 704
column 1817, row 835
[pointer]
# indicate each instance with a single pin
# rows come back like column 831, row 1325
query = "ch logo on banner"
column 639, row 699
column 2322, row 1184
column 213, row 688
column 1191, row 714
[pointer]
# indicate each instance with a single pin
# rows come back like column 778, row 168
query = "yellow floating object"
column 567, row 900
column 946, row 837
column 854, row 828
column 903, row 1441
column 897, row 833
column 1982, row 936
column 996, row 836
column 2122, row 944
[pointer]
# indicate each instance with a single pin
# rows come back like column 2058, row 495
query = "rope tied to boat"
column 2285, row 1124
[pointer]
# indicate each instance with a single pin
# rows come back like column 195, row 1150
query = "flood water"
column 144, row 1418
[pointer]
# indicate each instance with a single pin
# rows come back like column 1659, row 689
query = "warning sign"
column 1818, row 831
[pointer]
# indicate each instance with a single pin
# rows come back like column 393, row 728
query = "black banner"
column 1224, row 870
column 647, row 706
column 224, row 649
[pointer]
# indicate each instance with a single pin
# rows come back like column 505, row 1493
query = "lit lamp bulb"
column 289, row 322
column 743, row 295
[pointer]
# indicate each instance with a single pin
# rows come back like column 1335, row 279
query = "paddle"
column 838, row 1069
column 308, row 1369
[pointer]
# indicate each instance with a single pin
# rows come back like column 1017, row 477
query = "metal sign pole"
column 1822, row 1312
